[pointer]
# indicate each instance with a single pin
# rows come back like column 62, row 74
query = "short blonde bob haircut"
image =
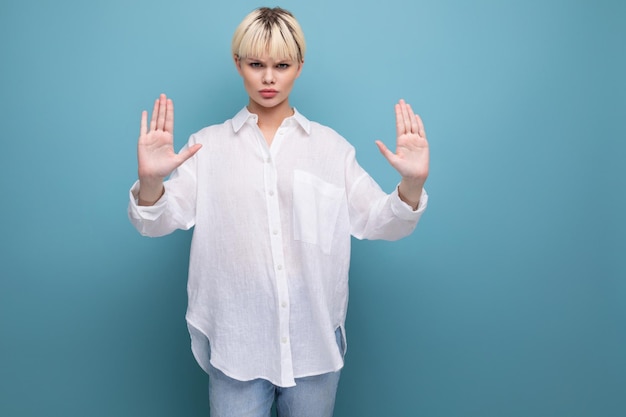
column 274, row 32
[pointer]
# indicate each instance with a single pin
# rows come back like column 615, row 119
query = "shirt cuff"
column 405, row 211
column 145, row 212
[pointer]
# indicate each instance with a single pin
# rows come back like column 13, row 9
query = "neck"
column 271, row 117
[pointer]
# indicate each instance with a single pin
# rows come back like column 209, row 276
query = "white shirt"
column 268, row 271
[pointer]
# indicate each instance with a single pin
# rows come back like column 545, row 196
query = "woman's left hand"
column 411, row 158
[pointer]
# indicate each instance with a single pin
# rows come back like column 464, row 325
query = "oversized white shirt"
column 268, row 269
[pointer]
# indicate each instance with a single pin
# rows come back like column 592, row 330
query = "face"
column 267, row 81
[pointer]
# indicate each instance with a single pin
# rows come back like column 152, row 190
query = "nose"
column 268, row 76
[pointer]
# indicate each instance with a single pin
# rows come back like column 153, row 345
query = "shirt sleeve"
column 404, row 210
column 176, row 207
column 375, row 214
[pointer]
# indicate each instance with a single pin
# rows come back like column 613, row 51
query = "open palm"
column 411, row 158
column 155, row 148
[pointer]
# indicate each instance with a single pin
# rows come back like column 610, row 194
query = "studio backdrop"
column 508, row 300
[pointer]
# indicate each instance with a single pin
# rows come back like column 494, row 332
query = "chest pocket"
column 316, row 205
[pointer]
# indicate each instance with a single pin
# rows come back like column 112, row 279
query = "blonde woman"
column 274, row 199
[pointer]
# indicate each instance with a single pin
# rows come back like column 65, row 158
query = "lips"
column 268, row 93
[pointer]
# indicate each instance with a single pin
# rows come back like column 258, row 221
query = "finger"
column 155, row 112
column 162, row 112
column 406, row 118
column 384, row 151
column 399, row 120
column 401, row 127
column 420, row 126
column 189, row 152
column 169, row 116
column 414, row 124
column 143, row 129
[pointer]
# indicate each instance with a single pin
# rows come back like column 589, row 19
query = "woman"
column 274, row 200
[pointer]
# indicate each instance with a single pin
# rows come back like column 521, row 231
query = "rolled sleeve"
column 148, row 220
column 405, row 211
column 149, row 213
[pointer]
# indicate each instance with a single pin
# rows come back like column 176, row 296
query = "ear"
column 300, row 65
column 237, row 63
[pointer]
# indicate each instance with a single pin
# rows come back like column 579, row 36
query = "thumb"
column 385, row 151
column 189, row 152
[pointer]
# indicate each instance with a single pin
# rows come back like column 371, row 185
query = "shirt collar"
column 244, row 116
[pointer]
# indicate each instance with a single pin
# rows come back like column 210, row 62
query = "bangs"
column 274, row 43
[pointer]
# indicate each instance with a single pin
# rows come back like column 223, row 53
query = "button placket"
column 280, row 273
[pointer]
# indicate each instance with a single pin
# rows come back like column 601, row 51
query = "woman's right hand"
column 155, row 150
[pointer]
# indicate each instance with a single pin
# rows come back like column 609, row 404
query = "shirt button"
column 268, row 160
column 279, row 267
column 284, row 304
column 284, row 340
column 271, row 193
column 275, row 232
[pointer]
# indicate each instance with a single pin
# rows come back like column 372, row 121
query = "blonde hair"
column 269, row 31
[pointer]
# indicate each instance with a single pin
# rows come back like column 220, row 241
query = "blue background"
column 510, row 298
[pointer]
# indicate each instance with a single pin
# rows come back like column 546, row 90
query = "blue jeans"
column 312, row 396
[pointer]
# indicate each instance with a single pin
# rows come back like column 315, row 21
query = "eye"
column 254, row 64
column 282, row 66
